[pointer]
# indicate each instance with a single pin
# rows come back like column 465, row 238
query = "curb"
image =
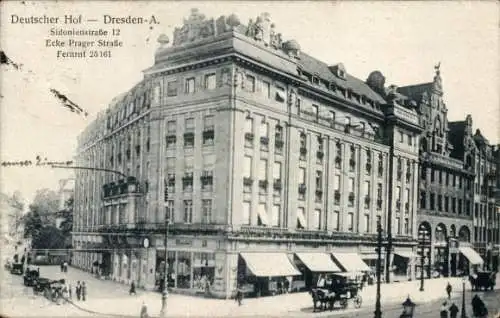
column 99, row 313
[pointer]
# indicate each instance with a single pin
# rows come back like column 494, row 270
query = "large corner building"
column 260, row 158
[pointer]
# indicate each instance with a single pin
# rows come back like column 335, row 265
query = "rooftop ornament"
column 163, row 40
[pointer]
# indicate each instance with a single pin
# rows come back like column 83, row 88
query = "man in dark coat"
column 84, row 291
column 454, row 311
column 448, row 290
column 478, row 307
column 132, row 289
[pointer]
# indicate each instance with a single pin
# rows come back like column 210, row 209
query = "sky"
column 402, row 40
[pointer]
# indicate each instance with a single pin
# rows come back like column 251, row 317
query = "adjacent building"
column 261, row 162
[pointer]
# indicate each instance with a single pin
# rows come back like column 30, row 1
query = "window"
column 335, row 220
column 206, row 206
column 247, row 167
column 336, row 182
column 398, row 226
column 280, row 94
column 315, row 111
column 249, row 125
column 317, row 219
column 301, row 218
column 303, row 142
column 171, row 127
column 446, row 203
column 278, row 132
column 401, row 137
column 407, row 195
column 321, row 143
column 332, row 119
column 366, row 222
column 250, row 83
column 208, row 130
column 454, row 205
column 398, row 198
column 262, row 169
column 431, row 201
column 266, row 89
column 440, row 202
column 277, row 171
column 406, row 227
column 410, row 142
column 210, row 82
column 172, row 88
column 422, row 199
column 188, row 211
column 189, row 85
column 262, row 215
column 302, row 175
column 169, row 210
column 246, row 213
column 319, row 180
column 351, row 184
column 189, row 140
column 264, row 130
column 276, row 215
column 156, row 97
column 367, row 188
column 350, row 221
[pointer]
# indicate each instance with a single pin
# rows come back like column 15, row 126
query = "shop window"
column 203, row 270
column 183, row 270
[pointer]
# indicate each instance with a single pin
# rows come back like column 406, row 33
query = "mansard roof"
column 321, row 69
column 415, row 91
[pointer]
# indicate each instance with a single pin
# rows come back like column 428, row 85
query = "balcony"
column 121, row 188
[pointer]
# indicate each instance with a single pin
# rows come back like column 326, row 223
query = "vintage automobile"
column 31, row 275
column 338, row 287
column 17, row 268
column 483, row 279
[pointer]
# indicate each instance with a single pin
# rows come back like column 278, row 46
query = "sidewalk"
column 110, row 298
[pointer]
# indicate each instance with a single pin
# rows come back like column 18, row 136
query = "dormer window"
column 315, row 80
column 331, row 86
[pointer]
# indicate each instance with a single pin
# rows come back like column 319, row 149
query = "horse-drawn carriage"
column 31, row 276
column 483, row 279
column 338, row 287
column 51, row 289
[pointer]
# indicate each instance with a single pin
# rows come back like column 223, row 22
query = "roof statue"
column 437, row 84
column 195, row 27
column 163, row 40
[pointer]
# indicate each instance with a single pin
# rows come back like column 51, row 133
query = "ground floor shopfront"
column 217, row 265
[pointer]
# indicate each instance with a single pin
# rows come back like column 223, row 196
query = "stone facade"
column 236, row 141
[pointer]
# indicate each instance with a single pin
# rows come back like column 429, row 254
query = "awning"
column 269, row 264
column 471, row 255
column 409, row 255
column 351, row 262
column 318, row 262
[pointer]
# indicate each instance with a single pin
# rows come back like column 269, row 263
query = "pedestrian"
column 453, row 311
column 70, row 290
column 444, row 310
column 448, row 290
column 78, row 290
column 478, row 307
column 84, row 291
column 144, row 310
column 132, row 289
column 239, row 296
column 62, row 267
column 65, row 266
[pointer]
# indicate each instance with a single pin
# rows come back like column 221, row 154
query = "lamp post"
column 463, row 315
column 164, row 294
column 422, row 233
column 378, row 312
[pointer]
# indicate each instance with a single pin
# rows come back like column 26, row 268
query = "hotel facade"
column 264, row 163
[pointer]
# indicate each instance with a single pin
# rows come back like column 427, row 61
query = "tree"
column 32, row 224
column 49, row 237
column 67, row 225
column 46, row 202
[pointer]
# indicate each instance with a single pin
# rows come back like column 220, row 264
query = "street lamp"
column 408, row 308
column 164, row 294
column 378, row 312
column 422, row 233
column 463, row 315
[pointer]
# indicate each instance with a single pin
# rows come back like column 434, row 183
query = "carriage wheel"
column 343, row 303
column 357, row 301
